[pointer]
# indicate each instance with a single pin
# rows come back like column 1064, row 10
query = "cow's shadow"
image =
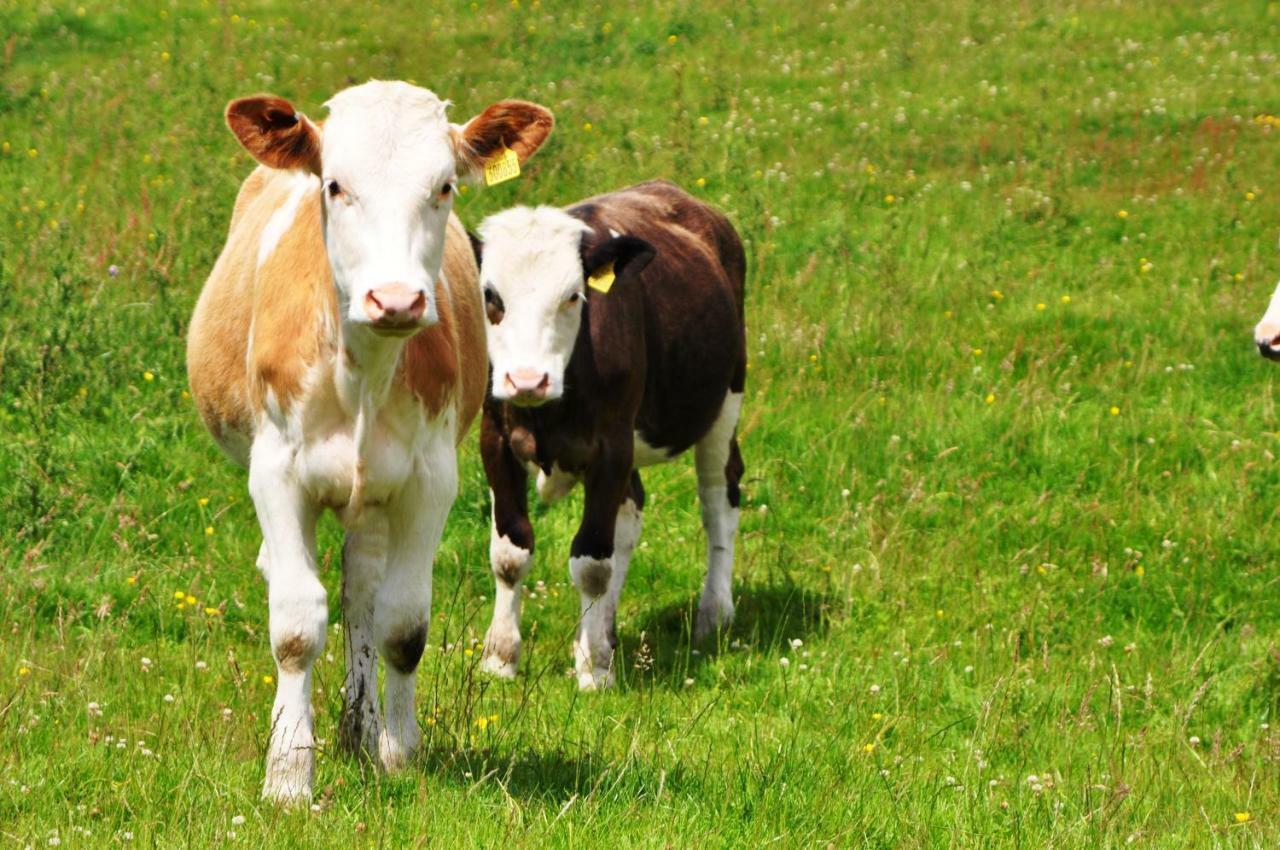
column 658, row 647
column 555, row 776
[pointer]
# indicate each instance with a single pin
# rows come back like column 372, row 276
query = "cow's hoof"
column 287, row 788
column 499, row 668
column 712, row 618
column 599, row 679
column 395, row 753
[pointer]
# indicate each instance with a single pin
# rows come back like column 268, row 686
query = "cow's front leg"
column 403, row 609
column 510, row 548
column 591, row 564
column 364, row 562
column 298, row 615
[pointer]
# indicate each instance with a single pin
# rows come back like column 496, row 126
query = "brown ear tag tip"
column 501, row 167
column 603, row 278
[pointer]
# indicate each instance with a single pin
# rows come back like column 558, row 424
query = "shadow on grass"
column 557, row 776
column 659, row 646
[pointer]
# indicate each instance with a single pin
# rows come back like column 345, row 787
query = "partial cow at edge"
column 337, row 352
column 1267, row 332
column 616, row 341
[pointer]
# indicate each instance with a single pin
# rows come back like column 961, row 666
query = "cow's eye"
column 446, row 190
column 493, row 308
column 573, row 299
column 333, row 189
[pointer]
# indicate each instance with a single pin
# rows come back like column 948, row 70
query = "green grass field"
column 1006, row 571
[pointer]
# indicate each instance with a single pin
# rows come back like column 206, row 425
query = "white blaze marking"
column 282, row 219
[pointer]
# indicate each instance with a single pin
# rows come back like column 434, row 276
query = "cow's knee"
column 590, row 574
column 403, row 648
column 510, row 556
column 298, row 625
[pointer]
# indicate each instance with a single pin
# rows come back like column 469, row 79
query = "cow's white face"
column 389, row 173
column 534, row 270
column 1267, row 332
column 389, row 162
column 534, row 291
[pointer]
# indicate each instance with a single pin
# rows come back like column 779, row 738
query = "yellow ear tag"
column 501, row 167
column 602, row 280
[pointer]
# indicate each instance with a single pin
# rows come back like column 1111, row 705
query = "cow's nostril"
column 419, row 305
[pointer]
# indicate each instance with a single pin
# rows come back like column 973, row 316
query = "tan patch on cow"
column 291, row 654
column 288, row 296
column 295, row 308
column 448, row 362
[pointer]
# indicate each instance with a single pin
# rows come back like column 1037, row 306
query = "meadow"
column 1006, row 572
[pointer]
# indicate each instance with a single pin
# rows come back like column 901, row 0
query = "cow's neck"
column 366, row 365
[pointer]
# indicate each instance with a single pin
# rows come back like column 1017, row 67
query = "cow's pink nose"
column 395, row 305
column 527, row 384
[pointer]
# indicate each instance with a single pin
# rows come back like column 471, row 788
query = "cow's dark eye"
column 446, row 190
column 493, row 308
column 573, row 299
column 333, row 189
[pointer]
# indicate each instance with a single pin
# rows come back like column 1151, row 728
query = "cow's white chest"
column 399, row 442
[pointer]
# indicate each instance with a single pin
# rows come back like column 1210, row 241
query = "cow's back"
column 693, row 291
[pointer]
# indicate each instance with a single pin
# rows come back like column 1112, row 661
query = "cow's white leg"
column 719, row 467
column 298, row 615
column 403, row 608
column 510, row 563
column 364, row 561
column 597, row 636
column 1267, row 331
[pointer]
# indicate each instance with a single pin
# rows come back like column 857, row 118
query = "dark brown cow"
column 616, row 340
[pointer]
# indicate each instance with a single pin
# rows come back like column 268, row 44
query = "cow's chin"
column 530, row 401
column 396, row 331
column 1267, row 350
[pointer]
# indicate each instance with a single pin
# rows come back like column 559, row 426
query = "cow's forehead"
column 532, row 248
column 388, row 132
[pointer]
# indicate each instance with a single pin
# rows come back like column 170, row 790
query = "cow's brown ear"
column 514, row 124
column 627, row 255
column 275, row 133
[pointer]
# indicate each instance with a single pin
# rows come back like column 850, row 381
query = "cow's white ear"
column 516, row 125
column 276, row 134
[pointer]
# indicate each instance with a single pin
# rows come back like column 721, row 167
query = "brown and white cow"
column 591, row 385
column 337, row 351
